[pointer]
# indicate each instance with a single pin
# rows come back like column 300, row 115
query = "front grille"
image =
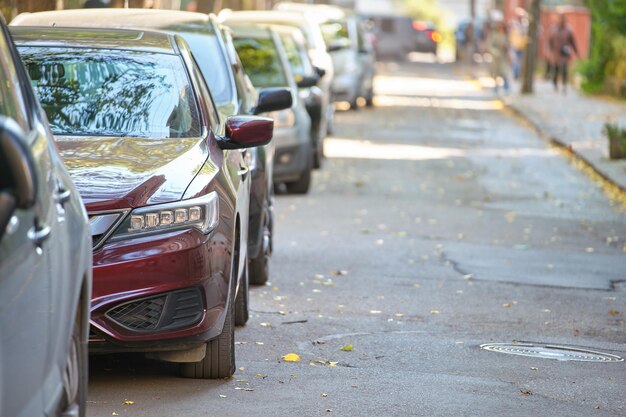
column 139, row 315
column 168, row 311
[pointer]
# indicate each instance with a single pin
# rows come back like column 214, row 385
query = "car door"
column 25, row 268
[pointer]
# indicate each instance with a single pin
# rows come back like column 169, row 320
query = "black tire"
column 219, row 361
column 369, row 98
column 259, row 271
column 354, row 105
column 241, row 302
column 75, row 378
column 302, row 185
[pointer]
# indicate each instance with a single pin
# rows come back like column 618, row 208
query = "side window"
column 12, row 103
column 295, row 60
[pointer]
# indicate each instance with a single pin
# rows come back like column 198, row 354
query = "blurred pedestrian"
column 518, row 37
column 562, row 47
column 500, row 54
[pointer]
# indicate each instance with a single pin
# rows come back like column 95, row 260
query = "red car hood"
column 113, row 173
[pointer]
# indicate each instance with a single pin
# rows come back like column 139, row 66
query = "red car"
column 166, row 186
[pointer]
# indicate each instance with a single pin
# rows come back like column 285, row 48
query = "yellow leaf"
column 114, row 414
column 265, row 324
column 291, row 357
column 613, row 312
column 128, row 402
column 347, row 348
column 434, row 311
column 507, row 305
column 332, row 363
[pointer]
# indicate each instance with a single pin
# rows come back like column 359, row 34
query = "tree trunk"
column 530, row 54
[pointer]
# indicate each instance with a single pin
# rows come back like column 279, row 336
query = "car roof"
column 268, row 16
column 128, row 39
column 152, row 18
column 260, row 30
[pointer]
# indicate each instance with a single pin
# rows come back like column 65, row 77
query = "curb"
column 555, row 141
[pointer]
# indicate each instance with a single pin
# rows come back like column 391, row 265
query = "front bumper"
column 160, row 293
column 293, row 151
column 345, row 87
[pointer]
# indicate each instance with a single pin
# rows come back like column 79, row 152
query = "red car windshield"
column 104, row 92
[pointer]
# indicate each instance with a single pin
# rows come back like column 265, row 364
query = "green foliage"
column 607, row 59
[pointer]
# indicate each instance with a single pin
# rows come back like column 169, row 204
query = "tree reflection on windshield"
column 99, row 92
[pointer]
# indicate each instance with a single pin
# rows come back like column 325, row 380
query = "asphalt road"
column 438, row 223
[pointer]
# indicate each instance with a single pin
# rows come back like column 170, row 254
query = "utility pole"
column 473, row 9
column 530, row 55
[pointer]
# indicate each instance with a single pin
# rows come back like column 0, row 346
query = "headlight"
column 283, row 118
column 200, row 213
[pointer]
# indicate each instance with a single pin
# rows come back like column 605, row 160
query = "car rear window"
column 261, row 62
column 107, row 92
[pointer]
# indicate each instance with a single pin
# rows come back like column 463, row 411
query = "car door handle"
column 243, row 171
column 62, row 195
column 39, row 234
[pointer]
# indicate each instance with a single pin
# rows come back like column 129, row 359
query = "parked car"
column 353, row 57
column 212, row 47
column 265, row 61
column 307, row 80
column 399, row 35
column 165, row 184
column 45, row 259
column 318, row 51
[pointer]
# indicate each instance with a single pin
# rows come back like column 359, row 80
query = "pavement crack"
column 454, row 264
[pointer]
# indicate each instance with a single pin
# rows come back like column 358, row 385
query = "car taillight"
column 417, row 25
column 435, row 36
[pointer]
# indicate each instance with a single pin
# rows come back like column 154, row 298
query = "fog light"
column 180, row 216
column 136, row 222
column 284, row 158
column 167, row 217
column 195, row 213
column 152, row 220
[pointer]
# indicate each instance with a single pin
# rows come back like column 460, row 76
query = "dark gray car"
column 45, row 260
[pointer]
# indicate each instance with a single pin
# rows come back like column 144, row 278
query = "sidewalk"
column 574, row 121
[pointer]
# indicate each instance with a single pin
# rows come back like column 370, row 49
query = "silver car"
column 45, row 260
column 265, row 61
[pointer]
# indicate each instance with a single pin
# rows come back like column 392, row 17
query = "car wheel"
column 219, row 360
column 241, row 302
column 259, row 267
column 369, row 98
column 75, row 376
column 304, row 183
column 354, row 105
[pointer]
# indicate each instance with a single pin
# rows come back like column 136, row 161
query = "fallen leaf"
column 507, row 305
column 613, row 312
column 265, row 324
column 375, row 311
column 331, row 364
column 291, row 357
column 222, row 396
column 532, row 368
column 510, row 216
column 526, row 392
column 340, row 272
column 468, row 276
column 128, row 402
column 324, row 395
column 347, row 348
column 434, row 311
column 114, row 414
column 260, row 375
column 589, row 250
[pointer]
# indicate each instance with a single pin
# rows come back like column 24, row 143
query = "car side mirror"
column 18, row 178
column 247, row 132
column 308, row 81
column 17, row 170
column 273, row 99
column 320, row 71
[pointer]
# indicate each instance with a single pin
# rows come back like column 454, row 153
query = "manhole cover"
column 561, row 353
